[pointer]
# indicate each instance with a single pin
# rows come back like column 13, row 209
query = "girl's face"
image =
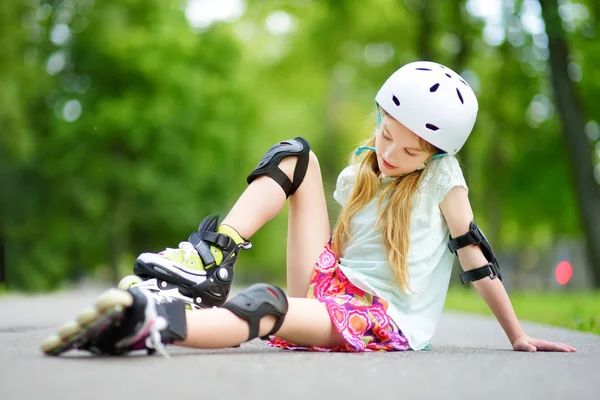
column 398, row 148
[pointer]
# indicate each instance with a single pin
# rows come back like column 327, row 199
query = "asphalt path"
column 470, row 359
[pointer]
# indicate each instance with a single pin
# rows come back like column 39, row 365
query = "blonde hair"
column 393, row 220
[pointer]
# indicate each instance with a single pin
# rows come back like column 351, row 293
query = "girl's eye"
column 386, row 137
column 409, row 153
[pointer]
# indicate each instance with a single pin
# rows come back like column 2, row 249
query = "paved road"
column 470, row 359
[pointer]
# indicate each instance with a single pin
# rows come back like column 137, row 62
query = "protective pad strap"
column 489, row 270
column 198, row 239
column 256, row 302
column 268, row 165
column 473, row 237
column 174, row 313
column 207, row 236
column 476, row 237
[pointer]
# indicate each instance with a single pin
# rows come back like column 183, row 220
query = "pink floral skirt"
column 360, row 317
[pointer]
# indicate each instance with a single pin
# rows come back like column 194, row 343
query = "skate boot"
column 120, row 322
column 199, row 272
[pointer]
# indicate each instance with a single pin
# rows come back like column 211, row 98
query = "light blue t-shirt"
column 365, row 262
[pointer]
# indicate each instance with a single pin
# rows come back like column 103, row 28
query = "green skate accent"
column 232, row 233
column 201, row 268
column 217, row 253
column 187, row 257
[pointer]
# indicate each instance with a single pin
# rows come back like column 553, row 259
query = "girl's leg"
column 204, row 277
column 122, row 321
column 307, row 323
column 308, row 228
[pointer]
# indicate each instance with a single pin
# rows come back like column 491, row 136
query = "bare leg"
column 308, row 228
column 262, row 200
column 307, row 323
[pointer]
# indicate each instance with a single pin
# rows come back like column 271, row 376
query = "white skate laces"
column 189, row 251
column 154, row 325
column 154, row 340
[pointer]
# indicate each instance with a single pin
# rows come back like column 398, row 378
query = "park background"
column 124, row 122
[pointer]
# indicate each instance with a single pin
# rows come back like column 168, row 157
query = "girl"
column 380, row 281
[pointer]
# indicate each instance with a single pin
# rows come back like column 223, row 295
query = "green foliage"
column 120, row 135
column 573, row 310
column 126, row 155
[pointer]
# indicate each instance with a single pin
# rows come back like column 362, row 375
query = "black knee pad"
column 256, row 302
column 268, row 165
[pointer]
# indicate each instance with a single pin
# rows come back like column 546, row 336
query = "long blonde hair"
column 393, row 220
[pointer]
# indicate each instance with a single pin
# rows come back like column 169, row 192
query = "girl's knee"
column 313, row 161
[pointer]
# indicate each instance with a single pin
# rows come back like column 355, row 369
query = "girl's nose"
column 389, row 153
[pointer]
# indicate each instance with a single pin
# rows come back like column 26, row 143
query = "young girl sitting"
column 380, row 280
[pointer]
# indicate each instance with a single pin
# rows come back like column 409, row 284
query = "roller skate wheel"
column 129, row 281
column 51, row 343
column 69, row 329
column 114, row 299
column 88, row 316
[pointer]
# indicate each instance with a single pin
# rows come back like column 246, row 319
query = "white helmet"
column 432, row 101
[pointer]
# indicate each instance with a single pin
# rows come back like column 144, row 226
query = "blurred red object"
column 563, row 272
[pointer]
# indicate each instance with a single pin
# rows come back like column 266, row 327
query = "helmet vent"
column 460, row 96
column 448, row 75
column 464, row 82
column 431, row 127
column 423, row 69
column 434, row 87
column 395, row 100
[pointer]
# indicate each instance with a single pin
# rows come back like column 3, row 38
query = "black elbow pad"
column 476, row 237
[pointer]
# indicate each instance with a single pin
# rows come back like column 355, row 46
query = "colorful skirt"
column 360, row 317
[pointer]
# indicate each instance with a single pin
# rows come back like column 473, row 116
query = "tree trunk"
column 577, row 144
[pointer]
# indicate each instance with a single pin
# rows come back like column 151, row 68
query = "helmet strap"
column 364, row 148
column 440, row 155
column 425, row 163
column 361, row 149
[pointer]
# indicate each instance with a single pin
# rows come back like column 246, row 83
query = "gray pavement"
column 471, row 358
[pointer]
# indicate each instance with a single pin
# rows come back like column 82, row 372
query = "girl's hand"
column 527, row 343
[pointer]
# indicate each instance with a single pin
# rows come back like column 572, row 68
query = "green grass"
column 574, row 310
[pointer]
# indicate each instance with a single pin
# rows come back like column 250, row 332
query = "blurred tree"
column 21, row 97
column 318, row 79
column 573, row 126
column 2, row 259
column 515, row 156
column 122, row 126
column 144, row 118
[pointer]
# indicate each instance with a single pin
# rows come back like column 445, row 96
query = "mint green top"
column 365, row 262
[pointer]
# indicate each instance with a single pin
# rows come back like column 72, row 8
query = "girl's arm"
column 458, row 214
